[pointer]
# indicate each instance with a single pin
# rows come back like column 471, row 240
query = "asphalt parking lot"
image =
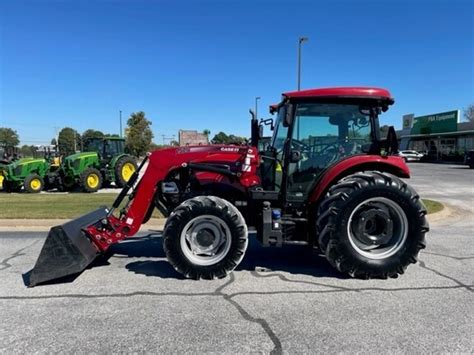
column 284, row 300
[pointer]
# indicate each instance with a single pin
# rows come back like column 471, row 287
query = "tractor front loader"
column 326, row 180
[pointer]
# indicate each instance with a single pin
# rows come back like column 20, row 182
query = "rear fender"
column 115, row 159
column 389, row 164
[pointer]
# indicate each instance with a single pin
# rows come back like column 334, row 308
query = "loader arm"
column 113, row 229
column 160, row 163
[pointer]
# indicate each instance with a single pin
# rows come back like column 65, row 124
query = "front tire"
column 91, row 180
column 33, row 183
column 205, row 238
column 372, row 225
column 124, row 168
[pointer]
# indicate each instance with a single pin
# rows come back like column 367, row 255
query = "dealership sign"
column 408, row 121
column 436, row 123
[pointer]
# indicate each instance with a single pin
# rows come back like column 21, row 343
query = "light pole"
column 256, row 106
column 300, row 42
column 120, row 118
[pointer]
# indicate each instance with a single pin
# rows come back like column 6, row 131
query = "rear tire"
column 124, row 168
column 372, row 225
column 33, row 183
column 91, row 180
column 205, row 238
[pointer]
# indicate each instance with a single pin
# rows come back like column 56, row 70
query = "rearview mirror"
column 268, row 122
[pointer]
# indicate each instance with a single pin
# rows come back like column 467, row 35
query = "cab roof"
column 343, row 92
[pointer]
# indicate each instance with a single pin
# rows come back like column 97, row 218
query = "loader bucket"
column 66, row 251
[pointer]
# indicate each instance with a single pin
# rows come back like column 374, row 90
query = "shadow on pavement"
column 294, row 259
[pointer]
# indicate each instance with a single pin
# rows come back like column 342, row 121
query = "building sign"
column 436, row 123
column 408, row 121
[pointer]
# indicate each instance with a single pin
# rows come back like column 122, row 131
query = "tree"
column 220, row 138
column 236, row 140
column 139, row 134
column 8, row 138
column 27, row 151
column 206, row 132
column 68, row 141
column 53, row 142
column 91, row 133
column 469, row 113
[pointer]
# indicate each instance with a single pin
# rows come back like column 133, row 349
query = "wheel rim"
column 35, row 184
column 377, row 228
column 93, row 181
column 127, row 170
column 205, row 240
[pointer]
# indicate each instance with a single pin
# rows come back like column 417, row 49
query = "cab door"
column 321, row 135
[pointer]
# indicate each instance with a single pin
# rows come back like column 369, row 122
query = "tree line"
column 138, row 138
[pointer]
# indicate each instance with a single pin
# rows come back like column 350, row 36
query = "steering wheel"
column 335, row 145
column 300, row 145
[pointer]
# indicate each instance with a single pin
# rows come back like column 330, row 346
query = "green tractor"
column 27, row 173
column 103, row 161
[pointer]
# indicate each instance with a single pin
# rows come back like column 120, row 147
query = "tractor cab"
column 105, row 147
column 316, row 129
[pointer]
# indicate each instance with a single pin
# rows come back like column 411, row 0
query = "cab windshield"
column 280, row 133
column 324, row 134
column 94, row 145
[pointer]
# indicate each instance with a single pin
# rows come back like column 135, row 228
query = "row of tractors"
column 102, row 163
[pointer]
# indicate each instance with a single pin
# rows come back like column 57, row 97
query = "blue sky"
column 200, row 64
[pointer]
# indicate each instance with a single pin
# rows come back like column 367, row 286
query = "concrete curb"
column 44, row 225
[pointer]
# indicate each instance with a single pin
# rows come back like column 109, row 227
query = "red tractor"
column 327, row 179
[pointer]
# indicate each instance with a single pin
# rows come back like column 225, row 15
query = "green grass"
column 51, row 206
column 433, row 206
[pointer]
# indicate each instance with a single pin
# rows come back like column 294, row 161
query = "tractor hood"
column 239, row 161
column 25, row 161
column 210, row 153
column 75, row 156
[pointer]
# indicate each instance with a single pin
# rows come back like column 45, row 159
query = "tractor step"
column 67, row 250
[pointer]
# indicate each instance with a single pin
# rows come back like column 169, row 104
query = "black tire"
column 365, row 195
column 9, row 187
column 33, row 184
column 120, row 180
column 191, row 210
column 91, row 180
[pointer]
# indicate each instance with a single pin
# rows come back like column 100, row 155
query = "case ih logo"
column 227, row 149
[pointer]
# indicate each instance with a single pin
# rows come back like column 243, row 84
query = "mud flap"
column 67, row 250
